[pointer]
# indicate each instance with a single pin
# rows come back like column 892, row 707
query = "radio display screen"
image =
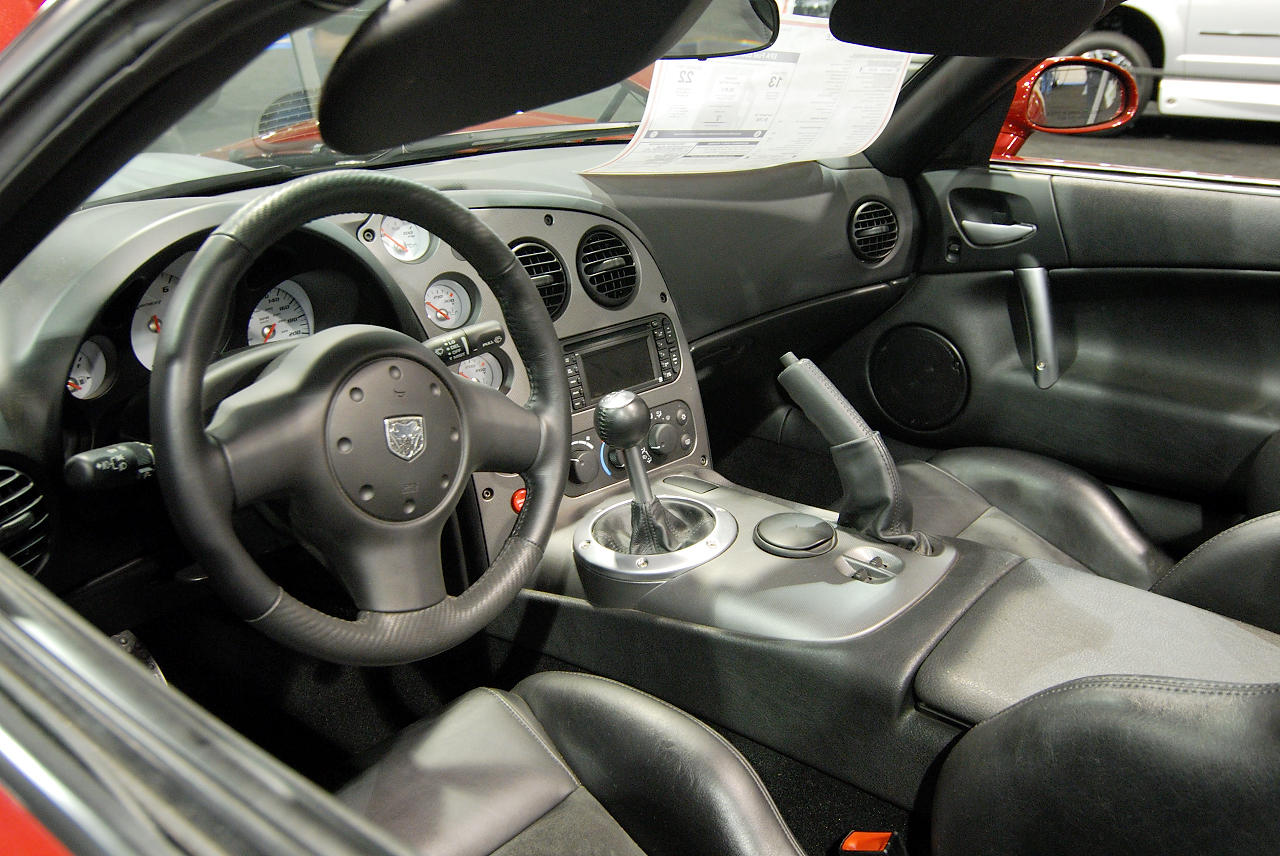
column 628, row 364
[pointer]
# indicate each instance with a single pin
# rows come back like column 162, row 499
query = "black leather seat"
column 1119, row 764
column 1040, row 508
column 569, row 763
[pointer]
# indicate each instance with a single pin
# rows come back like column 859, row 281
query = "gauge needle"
column 268, row 332
column 440, row 313
column 72, row 385
column 402, row 247
column 154, row 324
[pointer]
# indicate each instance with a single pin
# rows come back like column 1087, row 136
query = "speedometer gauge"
column 148, row 317
column 284, row 312
column 482, row 368
column 448, row 304
column 88, row 375
column 404, row 240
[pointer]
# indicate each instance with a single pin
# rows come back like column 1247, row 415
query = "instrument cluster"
column 298, row 287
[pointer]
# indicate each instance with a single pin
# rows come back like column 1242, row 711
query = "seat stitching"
column 755, row 777
column 1220, row 535
column 1200, row 688
column 527, row 727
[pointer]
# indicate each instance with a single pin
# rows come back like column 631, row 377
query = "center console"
column 838, row 637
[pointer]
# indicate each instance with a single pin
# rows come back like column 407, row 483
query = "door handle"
column 1033, row 282
column 994, row 234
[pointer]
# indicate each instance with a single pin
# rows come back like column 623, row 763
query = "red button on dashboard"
column 517, row 500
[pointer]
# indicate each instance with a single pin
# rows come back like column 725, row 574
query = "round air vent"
column 607, row 268
column 547, row 272
column 873, row 231
column 24, row 520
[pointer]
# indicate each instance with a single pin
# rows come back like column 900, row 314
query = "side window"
column 1209, row 85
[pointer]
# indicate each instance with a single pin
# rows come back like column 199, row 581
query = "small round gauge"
column 404, row 240
column 88, row 375
column 448, row 304
column 482, row 368
column 284, row 312
column 148, row 317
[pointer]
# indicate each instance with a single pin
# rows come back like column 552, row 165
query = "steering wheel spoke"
column 505, row 437
column 263, row 445
column 387, row 568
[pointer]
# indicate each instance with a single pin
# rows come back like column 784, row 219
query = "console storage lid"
column 1043, row 624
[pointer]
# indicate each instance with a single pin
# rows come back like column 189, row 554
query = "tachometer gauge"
column 88, row 375
column 148, row 317
column 404, row 240
column 448, row 304
column 284, row 312
column 482, row 368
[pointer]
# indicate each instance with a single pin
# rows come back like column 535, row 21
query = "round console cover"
column 794, row 535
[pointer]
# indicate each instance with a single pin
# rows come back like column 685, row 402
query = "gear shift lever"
column 622, row 420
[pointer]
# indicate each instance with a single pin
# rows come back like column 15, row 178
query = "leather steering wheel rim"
column 205, row 478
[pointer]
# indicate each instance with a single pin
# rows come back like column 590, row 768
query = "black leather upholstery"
column 1063, row 506
column 566, row 758
column 1117, row 765
column 1236, row 573
column 1040, row 508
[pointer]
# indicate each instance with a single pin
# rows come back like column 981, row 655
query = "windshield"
column 264, row 116
column 266, row 113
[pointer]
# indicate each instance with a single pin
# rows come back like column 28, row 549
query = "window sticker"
column 808, row 97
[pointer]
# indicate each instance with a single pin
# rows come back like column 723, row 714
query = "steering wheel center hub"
column 394, row 439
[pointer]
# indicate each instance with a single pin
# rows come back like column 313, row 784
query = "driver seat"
column 566, row 759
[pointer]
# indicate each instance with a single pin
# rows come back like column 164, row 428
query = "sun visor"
column 418, row 68
column 991, row 28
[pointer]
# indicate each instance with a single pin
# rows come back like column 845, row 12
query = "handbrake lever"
column 873, row 503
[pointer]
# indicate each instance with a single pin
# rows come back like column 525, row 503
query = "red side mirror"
column 1068, row 95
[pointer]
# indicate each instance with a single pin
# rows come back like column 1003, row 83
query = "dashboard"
column 85, row 307
column 98, row 332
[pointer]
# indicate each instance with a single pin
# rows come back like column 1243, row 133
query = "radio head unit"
column 635, row 356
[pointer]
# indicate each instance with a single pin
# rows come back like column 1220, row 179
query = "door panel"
column 1166, row 307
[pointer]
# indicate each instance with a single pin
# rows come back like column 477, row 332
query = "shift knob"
column 622, row 419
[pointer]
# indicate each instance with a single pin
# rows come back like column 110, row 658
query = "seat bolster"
column 1064, row 505
column 466, row 782
column 1235, row 573
column 1118, row 764
column 674, row 784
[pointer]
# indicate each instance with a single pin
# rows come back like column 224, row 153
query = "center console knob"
column 663, row 439
column 584, row 467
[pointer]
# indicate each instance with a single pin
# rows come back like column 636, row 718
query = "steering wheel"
column 365, row 431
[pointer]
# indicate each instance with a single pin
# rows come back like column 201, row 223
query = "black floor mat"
column 322, row 719
column 821, row 810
